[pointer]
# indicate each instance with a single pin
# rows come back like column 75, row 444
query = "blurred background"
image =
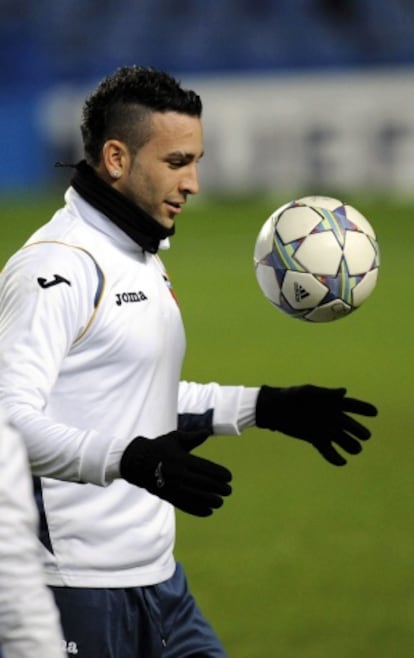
column 300, row 97
column 296, row 92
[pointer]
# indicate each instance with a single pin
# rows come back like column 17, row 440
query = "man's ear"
column 115, row 160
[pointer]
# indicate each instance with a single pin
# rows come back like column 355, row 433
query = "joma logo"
column 128, row 297
column 70, row 647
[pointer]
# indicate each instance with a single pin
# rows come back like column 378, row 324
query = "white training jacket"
column 91, row 350
column 29, row 621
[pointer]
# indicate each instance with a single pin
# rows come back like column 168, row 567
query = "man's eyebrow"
column 184, row 154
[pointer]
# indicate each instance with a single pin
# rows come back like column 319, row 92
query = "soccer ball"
column 316, row 259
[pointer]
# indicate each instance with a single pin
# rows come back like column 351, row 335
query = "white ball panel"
column 296, row 222
column 264, row 240
column 364, row 288
column 279, row 210
column 267, row 281
column 321, row 202
column 359, row 220
column 320, row 253
column 333, row 310
column 302, row 290
column 359, row 252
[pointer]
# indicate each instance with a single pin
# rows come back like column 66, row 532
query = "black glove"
column 165, row 467
column 316, row 415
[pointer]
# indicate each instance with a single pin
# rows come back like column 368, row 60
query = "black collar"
column 132, row 219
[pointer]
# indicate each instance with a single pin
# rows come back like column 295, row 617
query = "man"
column 92, row 344
column 29, row 622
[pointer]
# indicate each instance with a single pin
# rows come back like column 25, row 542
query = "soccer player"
column 91, row 351
column 29, row 621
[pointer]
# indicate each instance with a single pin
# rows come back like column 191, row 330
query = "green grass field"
column 304, row 560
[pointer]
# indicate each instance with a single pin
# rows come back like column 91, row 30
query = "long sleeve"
column 220, row 409
column 39, row 324
column 29, row 623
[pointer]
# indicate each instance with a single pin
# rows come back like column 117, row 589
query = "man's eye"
column 175, row 163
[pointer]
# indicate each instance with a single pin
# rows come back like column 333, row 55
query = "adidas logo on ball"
column 300, row 292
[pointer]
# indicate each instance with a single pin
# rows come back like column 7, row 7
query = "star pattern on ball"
column 335, row 221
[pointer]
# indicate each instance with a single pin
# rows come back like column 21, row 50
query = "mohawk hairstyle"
column 121, row 104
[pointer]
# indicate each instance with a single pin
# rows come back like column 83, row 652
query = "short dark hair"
column 122, row 102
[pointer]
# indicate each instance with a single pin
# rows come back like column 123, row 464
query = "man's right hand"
column 165, row 467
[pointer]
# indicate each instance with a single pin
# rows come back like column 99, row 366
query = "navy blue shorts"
column 159, row 621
